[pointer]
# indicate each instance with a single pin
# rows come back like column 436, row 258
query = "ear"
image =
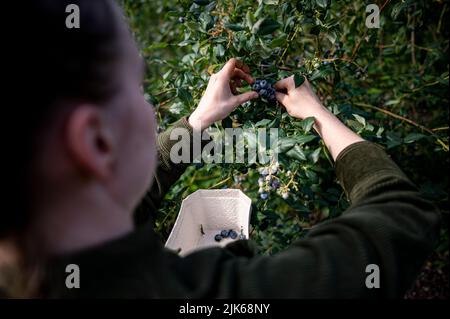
column 89, row 140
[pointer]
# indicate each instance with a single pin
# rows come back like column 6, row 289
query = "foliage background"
column 389, row 84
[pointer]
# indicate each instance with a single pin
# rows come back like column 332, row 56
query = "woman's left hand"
column 221, row 96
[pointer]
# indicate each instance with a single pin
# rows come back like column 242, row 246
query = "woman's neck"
column 74, row 224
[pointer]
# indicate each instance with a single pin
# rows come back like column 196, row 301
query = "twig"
column 163, row 103
column 411, row 122
column 440, row 19
column 289, row 44
column 164, row 92
column 221, row 182
column 284, row 68
column 428, row 84
column 382, row 7
column 413, row 42
column 440, row 129
column 358, row 45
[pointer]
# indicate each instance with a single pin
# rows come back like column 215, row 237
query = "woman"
column 86, row 153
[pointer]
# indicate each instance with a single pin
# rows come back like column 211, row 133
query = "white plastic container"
column 204, row 214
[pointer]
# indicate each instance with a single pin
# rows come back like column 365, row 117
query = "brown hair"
column 48, row 63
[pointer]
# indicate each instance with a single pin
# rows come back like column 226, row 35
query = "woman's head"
column 83, row 134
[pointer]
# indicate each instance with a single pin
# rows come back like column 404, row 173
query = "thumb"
column 245, row 97
column 282, row 98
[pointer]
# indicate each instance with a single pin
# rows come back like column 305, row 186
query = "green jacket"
column 388, row 224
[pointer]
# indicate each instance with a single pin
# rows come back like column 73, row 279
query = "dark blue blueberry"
column 232, row 234
column 181, row 19
column 218, row 238
column 256, row 87
column 263, row 92
column 275, row 184
column 224, row 233
column 241, row 237
column 263, row 83
column 264, row 196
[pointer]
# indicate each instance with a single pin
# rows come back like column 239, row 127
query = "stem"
column 428, row 84
column 288, row 45
column 413, row 42
column 358, row 45
column 440, row 129
column 164, row 92
column 444, row 146
column 221, row 182
column 440, row 19
column 292, row 179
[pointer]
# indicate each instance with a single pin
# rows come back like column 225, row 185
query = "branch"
column 411, row 122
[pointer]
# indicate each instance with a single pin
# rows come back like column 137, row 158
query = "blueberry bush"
column 389, row 84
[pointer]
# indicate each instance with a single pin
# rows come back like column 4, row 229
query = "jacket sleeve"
column 167, row 172
column 389, row 224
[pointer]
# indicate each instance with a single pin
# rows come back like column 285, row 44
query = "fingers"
column 239, row 74
column 233, row 87
column 232, row 64
column 245, row 97
column 282, row 98
column 287, row 83
column 238, row 83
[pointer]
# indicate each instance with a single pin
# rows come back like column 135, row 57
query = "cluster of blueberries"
column 265, row 90
column 228, row 234
column 268, row 181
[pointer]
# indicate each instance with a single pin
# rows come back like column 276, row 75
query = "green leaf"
column 299, row 79
column 374, row 91
column 391, row 102
column 297, row 153
column 202, row 2
column 206, row 21
column 315, row 155
column 234, row 27
column 360, row 119
column 286, row 144
column 184, row 43
column 322, row 3
column 263, row 123
column 413, row 137
column 397, row 9
column 249, row 19
column 219, row 50
column 311, row 175
column 265, row 26
column 393, row 139
column 184, row 95
column 160, row 45
column 307, row 124
column 302, row 139
column 274, row 2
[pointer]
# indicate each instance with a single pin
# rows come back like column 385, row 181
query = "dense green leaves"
column 299, row 79
column 389, row 85
column 265, row 26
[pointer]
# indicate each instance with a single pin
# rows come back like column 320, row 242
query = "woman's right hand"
column 300, row 102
